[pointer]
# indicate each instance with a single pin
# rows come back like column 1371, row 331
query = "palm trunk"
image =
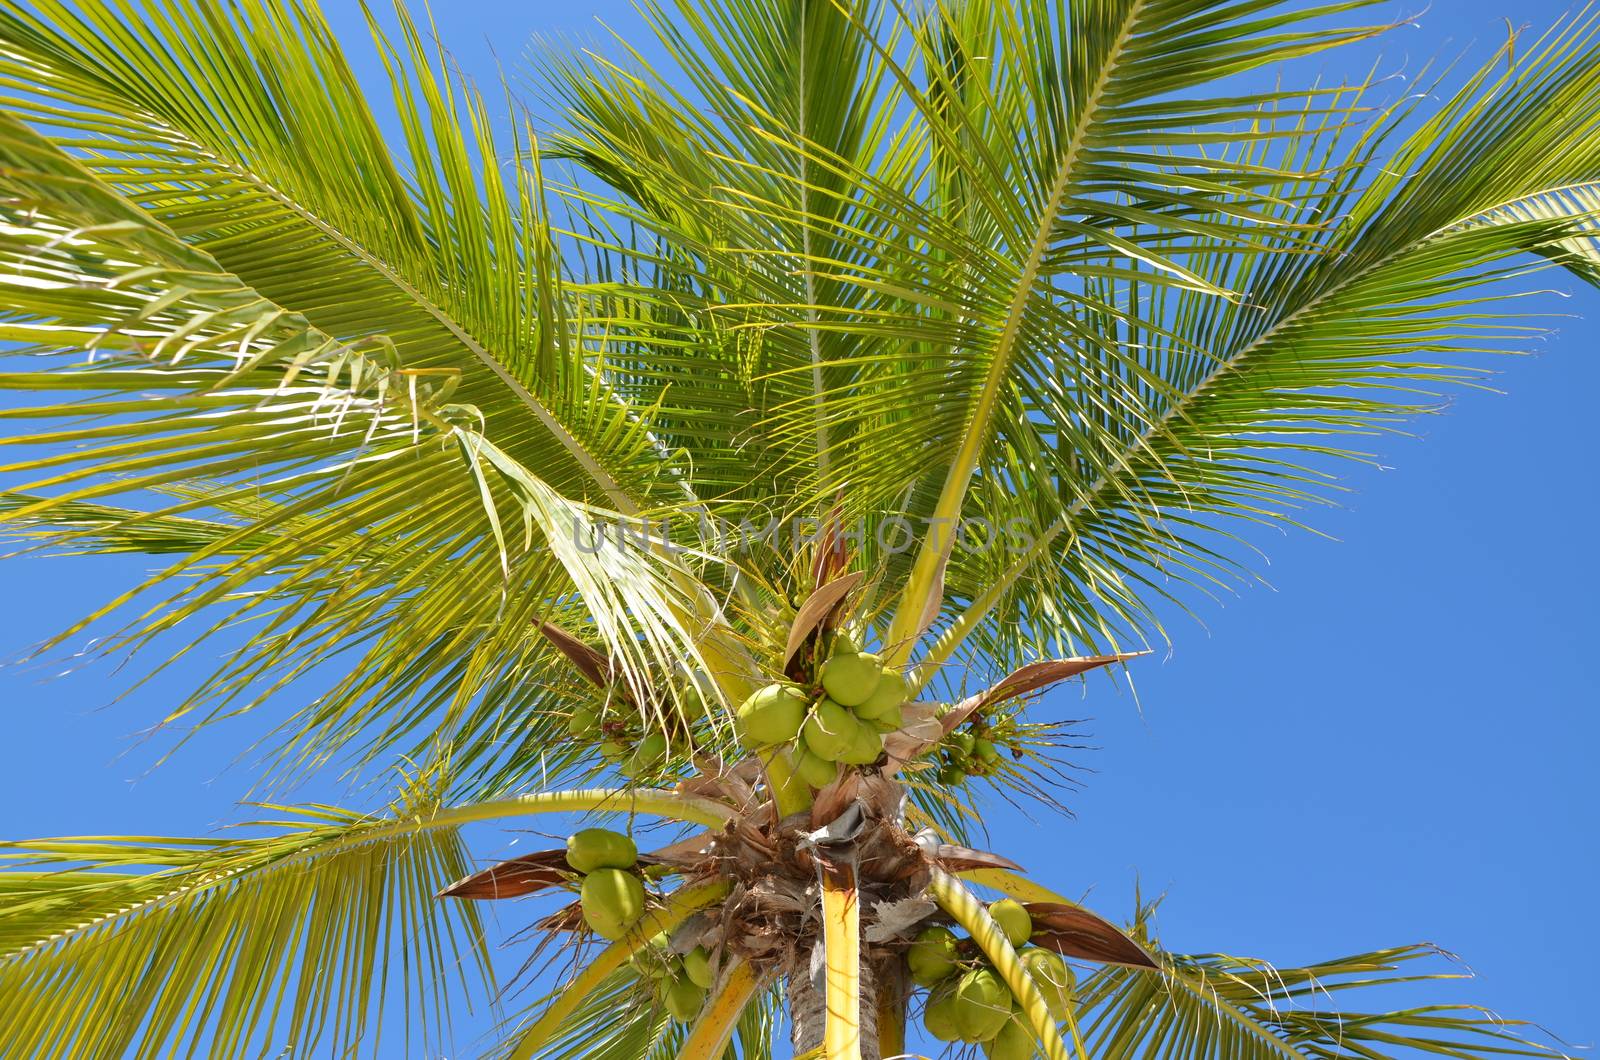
column 807, row 1010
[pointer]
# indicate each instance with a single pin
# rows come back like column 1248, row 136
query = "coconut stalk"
column 964, row 907
column 714, row 1029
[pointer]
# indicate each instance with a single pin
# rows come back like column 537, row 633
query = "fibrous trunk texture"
column 807, row 1009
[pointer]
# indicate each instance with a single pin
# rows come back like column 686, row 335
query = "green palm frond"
column 1251, row 400
column 286, row 944
column 623, row 1021
column 1059, row 267
column 330, row 518
column 279, row 171
column 1226, row 1007
column 954, row 252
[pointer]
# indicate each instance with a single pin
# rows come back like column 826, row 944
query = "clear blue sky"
column 1394, row 743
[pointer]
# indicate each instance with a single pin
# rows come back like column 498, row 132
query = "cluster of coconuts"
column 968, row 1001
column 967, row 752
column 680, row 983
column 842, row 723
column 612, row 893
column 641, row 752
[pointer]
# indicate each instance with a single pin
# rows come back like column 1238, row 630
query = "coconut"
column 982, row 1005
column 683, row 999
column 830, row 730
column 844, row 644
column 865, row 746
column 961, row 742
column 772, row 715
column 952, row 775
column 939, row 1015
column 612, row 901
column 851, row 679
column 691, row 702
column 1013, row 920
column 892, row 691
column 887, row 722
column 600, row 848
column 815, row 771
column 652, row 959
column 1014, row 1042
column 985, row 751
column 582, row 721
column 1054, row 978
column 615, row 750
column 932, row 957
column 647, row 757
column 697, row 966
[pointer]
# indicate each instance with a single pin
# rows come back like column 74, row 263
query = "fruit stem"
column 789, row 791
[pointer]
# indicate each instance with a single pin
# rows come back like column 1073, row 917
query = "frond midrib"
column 959, row 476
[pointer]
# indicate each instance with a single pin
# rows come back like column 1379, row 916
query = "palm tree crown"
column 745, row 453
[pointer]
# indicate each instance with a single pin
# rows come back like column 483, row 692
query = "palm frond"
column 1225, row 1007
column 354, row 488
column 244, row 131
column 1248, row 403
column 288, row 943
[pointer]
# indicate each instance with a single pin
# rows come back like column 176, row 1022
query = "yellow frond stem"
column 714, row 1029
column 971, row 914
column 1013, row 885
column 656, row 801
column 841, row 940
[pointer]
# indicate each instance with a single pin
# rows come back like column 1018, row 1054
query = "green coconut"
column 683, row 999
column 891, row 693
column 815, row 771
column 985, row 751
column 615, row 750
column 697, row 966
column 648, row 757
column 1013, row 920
column 939, row 1016
column 952, row 775
column 652, row 959
column 933, row 955
column 982, row 1005
column 582, row 722
column 1054, row 978
column 887, row 722
column 844, row 644
column 612, row 901
column 865, row 746
column 829, row 731
column 961, row 742
column 851, row 679
column 600, row 848
column 771, row 715
column 1014, row 1042
column 690, row 703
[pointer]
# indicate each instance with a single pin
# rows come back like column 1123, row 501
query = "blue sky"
column 1391, row 744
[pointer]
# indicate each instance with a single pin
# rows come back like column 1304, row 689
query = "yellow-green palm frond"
column 355, row 482
column 287, row 943
column 1215, row 1007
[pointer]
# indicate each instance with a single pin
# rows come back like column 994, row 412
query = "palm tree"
column 737, row 460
